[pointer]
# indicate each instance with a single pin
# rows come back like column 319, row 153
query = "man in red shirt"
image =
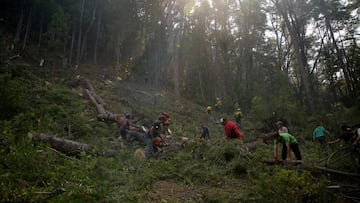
column 231, row 129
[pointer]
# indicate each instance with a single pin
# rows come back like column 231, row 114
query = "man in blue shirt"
column 205, row 134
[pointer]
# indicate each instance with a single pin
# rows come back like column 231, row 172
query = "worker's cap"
column 279, row 123
column 166, row 115
column 222, row 120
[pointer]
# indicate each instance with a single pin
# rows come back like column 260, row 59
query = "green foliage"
column 284, row 185
column 13, row 97
column 57, row 32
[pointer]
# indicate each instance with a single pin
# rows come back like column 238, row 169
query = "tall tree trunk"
column 201, row 87
column 87, row 33
column 97, row 38
column 293, row 27
column 340, row 55
column 41, row 29
column 19, row 27
column 65, row 60
column 27, row 30
column 117, row 52
column 72, row 46
column 78, row 52
column 176, row 73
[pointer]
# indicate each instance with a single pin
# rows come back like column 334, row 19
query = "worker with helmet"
column 165, row 121
column 218, row 103
column 208, row 110
column 238, row 116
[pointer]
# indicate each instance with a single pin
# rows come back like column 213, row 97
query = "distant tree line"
column 265, row 55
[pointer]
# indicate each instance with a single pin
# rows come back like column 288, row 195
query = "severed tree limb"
column 337, row 171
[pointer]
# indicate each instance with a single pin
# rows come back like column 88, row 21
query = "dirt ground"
column 166, row 191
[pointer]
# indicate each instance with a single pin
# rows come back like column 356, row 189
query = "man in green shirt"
column 289, row 143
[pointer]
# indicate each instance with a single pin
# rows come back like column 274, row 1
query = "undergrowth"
column 31, row 171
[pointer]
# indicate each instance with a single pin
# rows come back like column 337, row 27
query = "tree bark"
column 340, row 55
column 78, row 52
column 72, row 46
column 65, row 146
column 19, row 27
column 293, row 27
column 100, row 105
column 27, row 30
column 84, row 38
column 97, row 38
column 41, row 29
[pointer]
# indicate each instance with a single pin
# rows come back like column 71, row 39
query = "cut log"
column 272, row 162
column 67, row 147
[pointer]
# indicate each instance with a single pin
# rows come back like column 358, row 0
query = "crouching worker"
column 289, row 143
column 153, row 140
column 125, row 127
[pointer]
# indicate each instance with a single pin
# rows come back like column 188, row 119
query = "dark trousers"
column 294, row 148
column 323, row 150
column 123, row 133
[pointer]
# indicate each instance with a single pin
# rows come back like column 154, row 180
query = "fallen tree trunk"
column 98, row 99
column 67, row 147
column 100, row 106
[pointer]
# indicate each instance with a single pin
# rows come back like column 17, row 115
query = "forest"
column 293, row 61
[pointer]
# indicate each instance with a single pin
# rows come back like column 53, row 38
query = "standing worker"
column 238, row 117
column 218, row 103
column 319, row 134
column 208, row 110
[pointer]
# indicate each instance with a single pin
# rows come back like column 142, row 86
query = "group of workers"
column 217, row 106
column 237, row 114
column 155, row 142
